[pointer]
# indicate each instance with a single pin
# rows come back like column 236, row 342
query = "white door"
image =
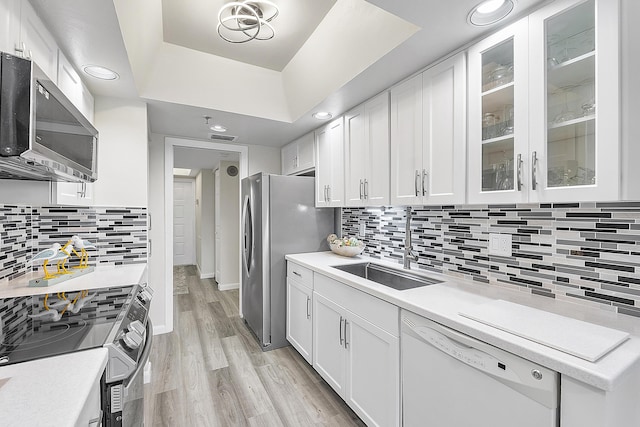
column 444, row 152
column 299, row 321
column 355, row 152
column 406, row 142
column 216, row 214
column 373, row 373
column 328, row 342
column 183, row 222
column 376, row 185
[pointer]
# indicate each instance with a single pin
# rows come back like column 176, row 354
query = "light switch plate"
column 500, row 244
column 361, row 230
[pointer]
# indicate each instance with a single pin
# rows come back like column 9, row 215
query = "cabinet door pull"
column 366, row 189
column 424, row 185
column 361, row 189
column 308, row 308
column 519, row 172
column 325, row 193
column 346, row 341
column 297, row 274
column 534, row 170
column 341, row 337
column 328, row 193
column 150, row 249
column 415, row 182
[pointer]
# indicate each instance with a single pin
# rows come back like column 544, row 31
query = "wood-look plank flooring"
column 210, row 371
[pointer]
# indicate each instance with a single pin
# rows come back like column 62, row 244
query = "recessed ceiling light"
column 322, row 115
column 100, row 72
column 490, row 11
column 218, row 128
column 181, row 172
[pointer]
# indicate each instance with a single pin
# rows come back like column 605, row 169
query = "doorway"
column 173, row 146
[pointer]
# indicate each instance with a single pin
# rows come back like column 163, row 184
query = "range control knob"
column 137, row 326
column 132, row 340
column 536, row 374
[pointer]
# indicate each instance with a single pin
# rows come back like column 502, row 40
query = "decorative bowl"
column 348, row 251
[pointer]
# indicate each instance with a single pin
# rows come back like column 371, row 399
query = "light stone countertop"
column 50, row 391
column 442, row 303
column 101, row 277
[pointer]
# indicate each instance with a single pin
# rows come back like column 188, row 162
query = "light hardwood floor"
column 210, row 371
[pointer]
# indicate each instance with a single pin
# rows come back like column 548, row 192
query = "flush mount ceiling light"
column 181, row 172
column 243, row 21
column 322, row 115
column 489, row 12
column 100, row 72
column 218, row 128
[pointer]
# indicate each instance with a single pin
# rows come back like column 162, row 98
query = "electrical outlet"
column 500, row 244
column 362, row 230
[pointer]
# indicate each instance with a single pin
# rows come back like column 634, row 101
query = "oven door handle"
column 145, row 354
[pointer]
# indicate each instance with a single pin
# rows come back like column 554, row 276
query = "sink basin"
column 397, row 279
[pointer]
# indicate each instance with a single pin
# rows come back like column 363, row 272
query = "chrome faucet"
column 409, row 253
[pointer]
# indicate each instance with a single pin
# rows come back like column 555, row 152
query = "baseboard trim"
column 160, row 329
column 204, row 275
column 228, row 286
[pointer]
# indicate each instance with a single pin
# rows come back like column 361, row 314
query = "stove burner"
column 38, row 338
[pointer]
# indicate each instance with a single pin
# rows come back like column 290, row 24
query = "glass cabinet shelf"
column 571, row 122
column 572, row 72
column 498, row 89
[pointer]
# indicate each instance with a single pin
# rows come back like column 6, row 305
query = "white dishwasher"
column 452, row 380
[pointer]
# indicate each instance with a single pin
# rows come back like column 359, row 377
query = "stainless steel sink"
column 397, row 279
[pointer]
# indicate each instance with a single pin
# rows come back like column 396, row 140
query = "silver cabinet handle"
column 346, row 341
column 361, row 189
column 415, row 182
column 341, row 337
column 149, row 217
column 424, row 186
column 297, row 274
column 150, row 248
column 328, row 193
column 519, row 172
column 325, row 193
column 534, row 170
column 366, row 189
column 308, row 308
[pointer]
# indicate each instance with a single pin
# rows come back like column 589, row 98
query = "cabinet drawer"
column 374, row 310
column 300, row 274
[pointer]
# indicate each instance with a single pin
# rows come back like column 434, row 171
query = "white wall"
column 205, row 231
column 156, row 261
column 630, row 11
column 264, row 159
column 230, row 229
column 122, row 152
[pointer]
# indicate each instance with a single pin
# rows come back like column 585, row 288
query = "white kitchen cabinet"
column 406, row 141
column 298, row 156
column 70, row 83
column 9, row 25
column 428, row 136
column 329, row 148
column 367, row 153
column 356, row 349
column 36, row 42
column 534, row 134
column 299, row 310
column 72, row 193
column 498, row 116
column 574, row 91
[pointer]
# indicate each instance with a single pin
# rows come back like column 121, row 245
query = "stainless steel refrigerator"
column 279, row 217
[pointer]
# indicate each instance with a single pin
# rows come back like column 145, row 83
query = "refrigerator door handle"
column 248, row 234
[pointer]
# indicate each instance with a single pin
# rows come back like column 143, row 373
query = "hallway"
column 211, row 372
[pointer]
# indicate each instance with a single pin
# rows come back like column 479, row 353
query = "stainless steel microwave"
column 43, row 136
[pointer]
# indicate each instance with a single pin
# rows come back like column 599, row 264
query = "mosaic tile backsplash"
column 587, row 253
column 119, row 234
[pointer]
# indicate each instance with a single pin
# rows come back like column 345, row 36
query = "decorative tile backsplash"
column 583, row 252
column 119, row 234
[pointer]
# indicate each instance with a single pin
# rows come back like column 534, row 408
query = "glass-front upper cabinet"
column 574, row 116
column 498, row 122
